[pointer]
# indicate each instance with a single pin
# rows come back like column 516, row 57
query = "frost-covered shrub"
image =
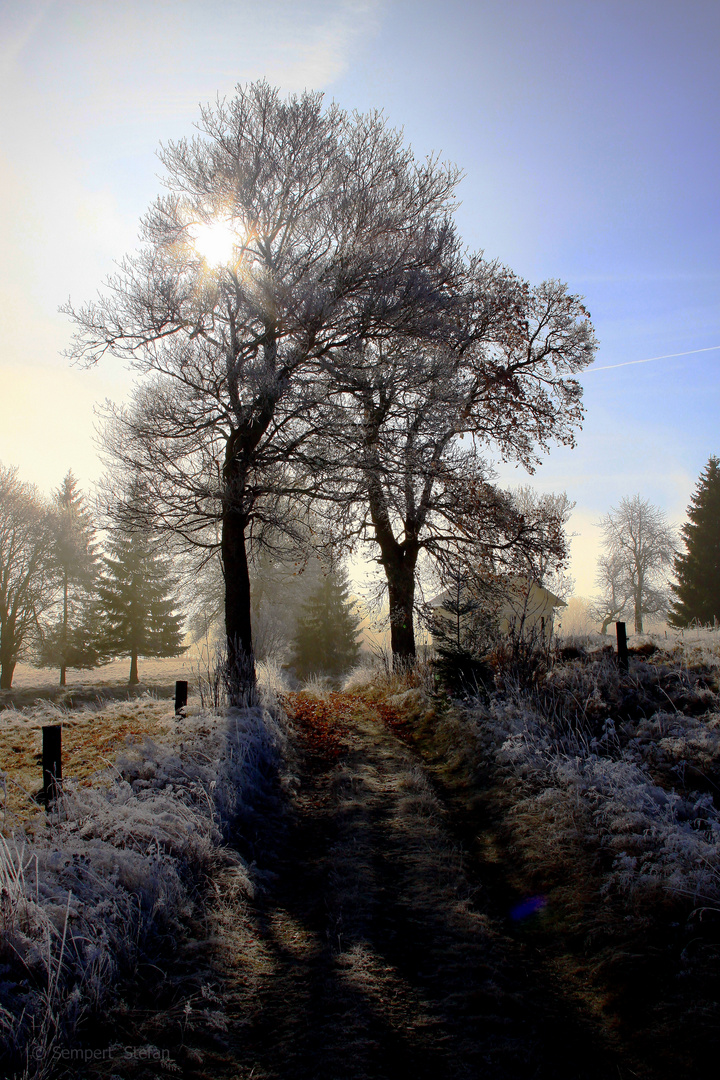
column 599, row 791
column 674, row 738
column 272, row 682
column 318, row 686
column 361, row 677
column 117, row 868
column 379, row 676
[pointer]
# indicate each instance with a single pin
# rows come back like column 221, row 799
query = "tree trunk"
column 133, row 680
column 7, row 669
column 400, row 571
column 238, row 626
column 63, row 667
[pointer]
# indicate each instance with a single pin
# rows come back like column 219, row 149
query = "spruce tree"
column 463, row 621
column 325, row 641
column 70, row 640
column 698, row 568
column 135, row 592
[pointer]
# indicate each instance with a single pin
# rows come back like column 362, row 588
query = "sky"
column 587, row 131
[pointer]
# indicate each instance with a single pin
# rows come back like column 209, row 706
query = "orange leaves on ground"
column 392, row 719
column 319, row 722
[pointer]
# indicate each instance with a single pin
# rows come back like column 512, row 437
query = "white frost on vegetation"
column 568, row 786
column 117, row 868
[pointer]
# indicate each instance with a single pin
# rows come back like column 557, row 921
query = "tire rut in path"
column 368, row 957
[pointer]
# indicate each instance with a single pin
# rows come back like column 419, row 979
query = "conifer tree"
column 463, row 621
column 698, row 568
column 135, row 592
column 325, row 641
column 70, row 640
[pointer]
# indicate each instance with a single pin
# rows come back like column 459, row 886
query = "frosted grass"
column 117, row 868
column 573, row 766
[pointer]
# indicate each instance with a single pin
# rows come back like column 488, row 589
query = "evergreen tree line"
column 68, row 601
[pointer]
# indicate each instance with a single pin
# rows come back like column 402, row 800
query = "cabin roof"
column 439, row 600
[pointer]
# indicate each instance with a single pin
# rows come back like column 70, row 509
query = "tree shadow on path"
column 368, row 956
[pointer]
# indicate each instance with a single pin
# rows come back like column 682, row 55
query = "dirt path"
column 368, row 954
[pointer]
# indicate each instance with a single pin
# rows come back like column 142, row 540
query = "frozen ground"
column 366, row 950
column 524, row 885
column 113, row 874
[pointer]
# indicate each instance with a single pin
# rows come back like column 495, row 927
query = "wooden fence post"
column 181, row 691
column 622, row 649
column 51, row 762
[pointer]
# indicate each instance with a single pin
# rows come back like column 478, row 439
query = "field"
column 152, row 672
column 91, row 739
column 94, row 729
column 520, row 882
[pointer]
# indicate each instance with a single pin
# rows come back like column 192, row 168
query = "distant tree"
column 25, row 576
column 698, row 569
column 639, row 538
column 615, row 586
column 325, row 641
column 135, row 592
column 281, row 589
column 282, row 576
column 577, row 618
column 70, row 640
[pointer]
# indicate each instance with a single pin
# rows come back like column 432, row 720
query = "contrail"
column 649, row 359
column 14, row 46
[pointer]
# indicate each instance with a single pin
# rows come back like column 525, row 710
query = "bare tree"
column 289, row 232
column 615, row 590
column 404, row 426
column 640, row 547
column 26, row 584
column 547, row 513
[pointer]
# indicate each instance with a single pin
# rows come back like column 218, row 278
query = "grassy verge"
column 109, row 880
column 589, row 801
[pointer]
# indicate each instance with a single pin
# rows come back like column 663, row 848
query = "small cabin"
column 520, row 608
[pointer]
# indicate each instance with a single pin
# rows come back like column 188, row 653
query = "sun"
column 215, row 241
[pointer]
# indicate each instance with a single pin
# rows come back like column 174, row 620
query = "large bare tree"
column 404, row 427
column 615, row 590
column 288, row 232
column 640, row 546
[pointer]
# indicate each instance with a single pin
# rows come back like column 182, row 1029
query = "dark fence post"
column 622, row 649
column 51, row 761
column 180, row 696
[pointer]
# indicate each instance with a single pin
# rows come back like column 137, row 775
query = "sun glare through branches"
column 215, row 241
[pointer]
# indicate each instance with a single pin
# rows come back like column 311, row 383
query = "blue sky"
column 587, row 130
